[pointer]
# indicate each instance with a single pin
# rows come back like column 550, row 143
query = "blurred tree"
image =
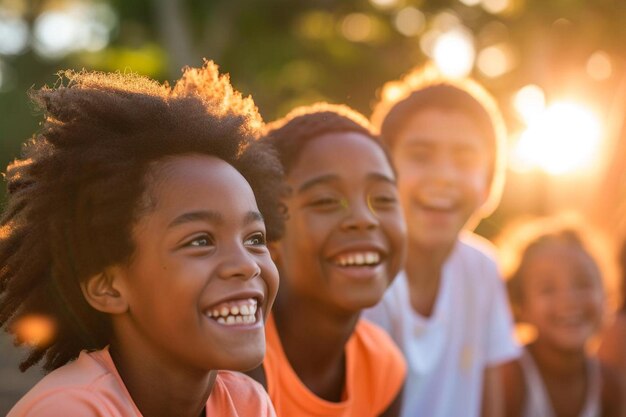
column 288, row 53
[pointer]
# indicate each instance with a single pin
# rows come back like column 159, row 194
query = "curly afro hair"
column 290, row 134
column 426, row 88
column 76, row 193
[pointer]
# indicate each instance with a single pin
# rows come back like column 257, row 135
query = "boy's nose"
column 444, row 171
column 360, row 215
column 238, row 263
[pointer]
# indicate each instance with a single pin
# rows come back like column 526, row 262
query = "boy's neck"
column 423, row 269
column 158, row 390
column 314, row 341
column 558, row 364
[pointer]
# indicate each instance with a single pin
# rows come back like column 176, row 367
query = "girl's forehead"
column 561, row 256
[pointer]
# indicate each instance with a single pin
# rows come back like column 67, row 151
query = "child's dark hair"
column 290, row 134
column 81, row 183
column 521, row 241
column 426, row 88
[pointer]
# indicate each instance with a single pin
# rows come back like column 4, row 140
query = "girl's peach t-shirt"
column 92, row 387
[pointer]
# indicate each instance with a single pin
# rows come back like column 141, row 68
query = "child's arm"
column 492, row 393
column 513, row 390
column 394, row 408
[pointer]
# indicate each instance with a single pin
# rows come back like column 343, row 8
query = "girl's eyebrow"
column 212, row 217
column 208, row 216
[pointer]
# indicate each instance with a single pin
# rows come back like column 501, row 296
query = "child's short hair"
column 82, row 181
column 427, row 88
column 521, row 240
column 290, row 134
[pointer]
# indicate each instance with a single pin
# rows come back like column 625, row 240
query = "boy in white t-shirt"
column 447, row 310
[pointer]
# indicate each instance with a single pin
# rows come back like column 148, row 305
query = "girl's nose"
column 237, row 262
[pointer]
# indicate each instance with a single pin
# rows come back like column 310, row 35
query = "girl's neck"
column 424, row 271
column 558, row 363
column 158, row 389
column 314, row 339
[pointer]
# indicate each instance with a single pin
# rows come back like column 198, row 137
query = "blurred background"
column 556, row 67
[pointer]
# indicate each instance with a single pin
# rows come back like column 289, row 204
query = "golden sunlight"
column 563, row 138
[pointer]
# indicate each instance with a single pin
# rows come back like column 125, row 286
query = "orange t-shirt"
column 375, row 372
column 91, row 387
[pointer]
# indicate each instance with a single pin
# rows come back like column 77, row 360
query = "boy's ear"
column 102, row 291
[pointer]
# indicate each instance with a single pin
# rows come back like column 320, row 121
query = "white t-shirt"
column 471, row 328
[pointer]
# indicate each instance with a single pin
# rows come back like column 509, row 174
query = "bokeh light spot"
column 599, row 66
column 495, row 6
column 410, row 21
column 13, row 34
column 529, row 102
column 454, row 52
column 495, row 60
column 357, row 27
column 35, row 329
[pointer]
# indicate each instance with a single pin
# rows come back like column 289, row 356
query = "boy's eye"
column 467, row 157
column 326, row 202
column 383, row 199
column 418, row 155
column 257, row 239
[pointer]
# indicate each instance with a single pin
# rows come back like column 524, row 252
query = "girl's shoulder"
column 611, row 394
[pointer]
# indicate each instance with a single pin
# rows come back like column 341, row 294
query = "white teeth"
column 359, row 259
column 243, row 312
column 442, row 203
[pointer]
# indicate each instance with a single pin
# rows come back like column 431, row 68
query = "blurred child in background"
column 447, row 310
column 613, row 347
column 344, row 243
column 132, row 225
column 556, row 286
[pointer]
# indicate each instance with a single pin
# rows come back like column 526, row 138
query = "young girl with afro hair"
column 136, row 227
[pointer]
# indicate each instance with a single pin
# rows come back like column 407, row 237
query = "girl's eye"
column 200, row 241
column 257, row 239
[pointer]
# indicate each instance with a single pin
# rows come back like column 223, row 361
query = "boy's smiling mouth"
column 357, row 258
column 234, row 312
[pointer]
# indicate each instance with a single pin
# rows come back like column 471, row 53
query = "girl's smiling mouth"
column 235, row 312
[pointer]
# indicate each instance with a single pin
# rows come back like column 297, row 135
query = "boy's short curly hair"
column 76, row 193
column 291, row 133
column 427, row 88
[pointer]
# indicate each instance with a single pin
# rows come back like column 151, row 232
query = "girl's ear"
column 102, row 291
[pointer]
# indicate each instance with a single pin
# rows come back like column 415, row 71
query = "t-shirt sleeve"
column 501, row 344
column 67, row 402
column 386, row 366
